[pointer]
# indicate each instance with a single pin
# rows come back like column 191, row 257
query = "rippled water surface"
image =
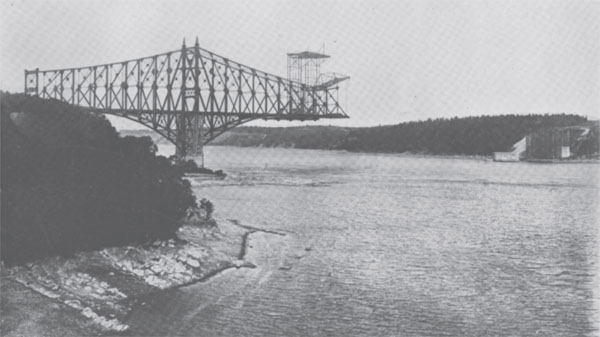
column 390, row 245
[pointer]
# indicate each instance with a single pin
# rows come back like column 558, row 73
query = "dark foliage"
column 305, row 137
column 208, row 208
column 70, row 183
column 456, row 136
column 462, row 136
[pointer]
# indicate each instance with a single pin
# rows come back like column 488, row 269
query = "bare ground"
column 91, row 293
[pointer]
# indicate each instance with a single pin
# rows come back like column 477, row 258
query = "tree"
column 70, row 182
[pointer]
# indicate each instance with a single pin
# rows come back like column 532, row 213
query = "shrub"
column 207, row 208
column 201, row 214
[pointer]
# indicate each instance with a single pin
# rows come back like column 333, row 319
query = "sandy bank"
column 103, row 286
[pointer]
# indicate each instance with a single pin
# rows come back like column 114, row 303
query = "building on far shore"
column 517, row 152
column 554, row 143
column 550, row 144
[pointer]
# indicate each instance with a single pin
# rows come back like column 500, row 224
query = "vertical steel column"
column 226, row 86
column 72, row 87
column 181, row 137
column 155, row 86
column 326, row 101
column 240, row 94
column 211, row 95
column 106, row 88
column 93, row 90
column 139, row 86
column 253, row 91
column 198, row 118
column 290, row 99
column 266, row 96
column 62, row 98
column 125, row 85
column 169, row 83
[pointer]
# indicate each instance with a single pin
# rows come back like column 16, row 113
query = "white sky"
column 408, row 60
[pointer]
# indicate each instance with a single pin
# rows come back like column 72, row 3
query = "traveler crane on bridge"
column 305, row 67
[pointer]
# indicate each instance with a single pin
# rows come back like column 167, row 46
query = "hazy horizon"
column 408, row 60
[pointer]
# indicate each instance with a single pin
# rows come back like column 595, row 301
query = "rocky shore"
column 91, row 293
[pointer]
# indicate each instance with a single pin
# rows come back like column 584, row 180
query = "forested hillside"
column 455, row 136
column 304, row 137
column 461, row 136
column 70, row 182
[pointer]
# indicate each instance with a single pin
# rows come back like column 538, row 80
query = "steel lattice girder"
column 159, row 90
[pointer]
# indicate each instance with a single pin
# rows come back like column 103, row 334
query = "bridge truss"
column 189, row 96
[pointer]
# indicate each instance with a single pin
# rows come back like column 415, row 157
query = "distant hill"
column 304, row 137
column 455, row 136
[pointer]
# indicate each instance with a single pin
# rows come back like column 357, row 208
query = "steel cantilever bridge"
column 191, row 95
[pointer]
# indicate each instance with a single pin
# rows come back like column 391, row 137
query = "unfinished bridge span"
column 191, row 95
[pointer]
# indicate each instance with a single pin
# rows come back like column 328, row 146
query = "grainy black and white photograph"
column 300, row 168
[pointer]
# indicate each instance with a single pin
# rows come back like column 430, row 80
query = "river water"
column 392, row 245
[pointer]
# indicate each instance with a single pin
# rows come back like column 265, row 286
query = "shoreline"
column 97, row 290
column 404, row 154
column 431, row 155
column 245, row 237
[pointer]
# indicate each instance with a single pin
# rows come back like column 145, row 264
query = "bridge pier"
column 190, row 145
column 197, row 158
